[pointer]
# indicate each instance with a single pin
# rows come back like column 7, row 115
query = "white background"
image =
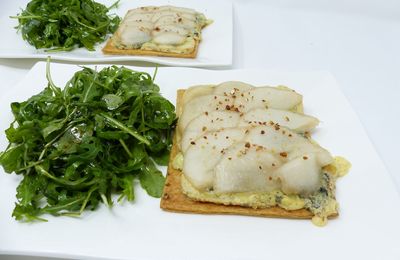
column 357, row 41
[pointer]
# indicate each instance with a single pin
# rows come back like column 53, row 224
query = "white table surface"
column 357, row 41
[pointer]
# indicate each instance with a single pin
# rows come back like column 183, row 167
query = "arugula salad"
column 78, row 146
column 62, row 25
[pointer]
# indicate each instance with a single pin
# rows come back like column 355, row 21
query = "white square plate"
column 214, row 50
column 368, row 226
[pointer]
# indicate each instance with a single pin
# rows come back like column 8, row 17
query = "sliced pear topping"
column 204, row 153
column 231, row 88
column 171, row 8
column 200, row 105
column 299, row 123
column 134, row 35
column 158, row 15
column 163, row 27
column 136, row 15
column 286, row 143
column 216, row 120
column 170, row 38
column 173, row 19
column 267, row 97
column 246, row 168
column 169, row 29
column 271, row 158
column 257, row 158
column 238, row 138
column 196, row 91
column 300, row 175
column 205, row 122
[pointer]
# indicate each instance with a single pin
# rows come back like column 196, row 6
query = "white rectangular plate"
column 214, row 50
column 368, row 226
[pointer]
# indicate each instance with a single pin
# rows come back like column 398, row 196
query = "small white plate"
column 368, row 226
column 214, row 50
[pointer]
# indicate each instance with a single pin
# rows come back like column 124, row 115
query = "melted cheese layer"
column 322, row 203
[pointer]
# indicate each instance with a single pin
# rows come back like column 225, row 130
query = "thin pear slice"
column 205, row 152
column 303, row 159
column 282, row 157
column 300, row 175
column 257, row 169
column 267, row 97
column 159, row 14
column 231, row 88
column 200, row 105
column 222, row 89
column 177, row 9
column 299, row 123
column 210, row 121
column 246, row 168
column 196, row 91
column 286, row 143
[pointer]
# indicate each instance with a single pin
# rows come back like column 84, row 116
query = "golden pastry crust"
column 110, row 48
